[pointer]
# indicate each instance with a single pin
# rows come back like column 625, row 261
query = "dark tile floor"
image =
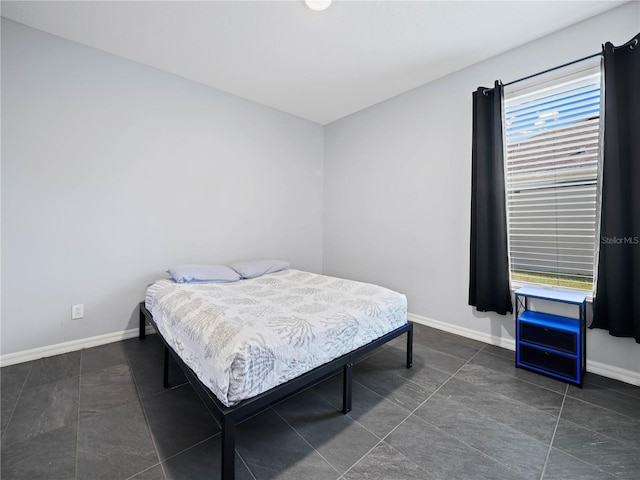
column 462, row 412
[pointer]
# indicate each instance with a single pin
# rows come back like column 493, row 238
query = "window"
column 552, row 150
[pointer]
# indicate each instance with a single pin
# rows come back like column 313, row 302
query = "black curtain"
column 489, row 270
column 617, row 302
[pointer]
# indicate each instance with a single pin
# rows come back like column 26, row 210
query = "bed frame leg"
column 228, row 447
column 142, row 333
column 165, row 373
column 346, row 388
column 410, row 346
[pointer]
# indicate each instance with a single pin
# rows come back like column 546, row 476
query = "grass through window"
column 553, row 279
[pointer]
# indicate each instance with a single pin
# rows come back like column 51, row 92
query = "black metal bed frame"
column 229, row 417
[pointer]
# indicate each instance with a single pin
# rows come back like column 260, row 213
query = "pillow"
column 256, row 268
column 203, row 273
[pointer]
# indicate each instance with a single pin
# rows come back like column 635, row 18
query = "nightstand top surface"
column 552, row 294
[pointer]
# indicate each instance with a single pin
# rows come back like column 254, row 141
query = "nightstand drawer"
column 549, row 361
column 560, row 340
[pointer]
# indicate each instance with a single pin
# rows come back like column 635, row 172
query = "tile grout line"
column 78, row 416
column 190, row 447
column 245, row 464
column 306, row 441
column 520, row 402
column 13, row 410
column 564, row 395
column 453, row 436
column 498, row 371
column 591, row 465
column 568, row 395
column 355, row 420
column 382, row 440
column 367, row 357
column 553, row 436
column 482, row 349
column 520, row 379
column 608, row 437
column 144, row 413
column 482, row 453
column 603, row 407
column 132, row 477
column 371, row 357
column 162, row 462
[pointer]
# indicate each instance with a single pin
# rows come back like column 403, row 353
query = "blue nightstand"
column 553, row 345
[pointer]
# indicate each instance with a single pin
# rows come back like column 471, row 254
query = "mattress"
column 244, row 338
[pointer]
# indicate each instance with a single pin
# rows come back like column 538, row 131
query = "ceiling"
column 320, row 66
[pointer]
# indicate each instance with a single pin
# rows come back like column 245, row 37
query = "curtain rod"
column 553, row 68
column 633, row 45
column 484, row 92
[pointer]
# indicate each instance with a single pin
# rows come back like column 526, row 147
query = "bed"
column 248, row 344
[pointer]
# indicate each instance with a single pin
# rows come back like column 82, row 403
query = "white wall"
column 397, row 188
column 113, row 171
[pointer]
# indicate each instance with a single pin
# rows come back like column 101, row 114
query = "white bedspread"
column 244, row 338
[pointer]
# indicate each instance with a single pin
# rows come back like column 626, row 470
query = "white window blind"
column 552, row 151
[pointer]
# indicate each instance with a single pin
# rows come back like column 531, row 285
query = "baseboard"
column 627, row 376
column 508, row 343
column 72, row 346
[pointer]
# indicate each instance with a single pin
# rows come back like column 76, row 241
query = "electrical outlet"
column 77, row 311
